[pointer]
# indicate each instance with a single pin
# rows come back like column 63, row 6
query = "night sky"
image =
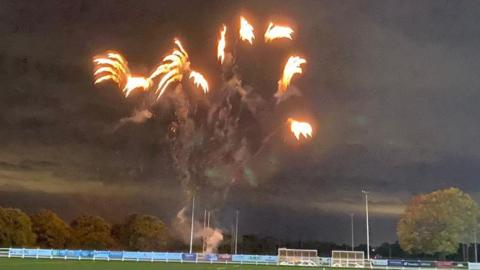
column 392, row 86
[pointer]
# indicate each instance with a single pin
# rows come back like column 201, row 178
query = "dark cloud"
column 392, row 87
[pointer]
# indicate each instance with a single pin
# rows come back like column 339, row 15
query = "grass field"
column 45, row 264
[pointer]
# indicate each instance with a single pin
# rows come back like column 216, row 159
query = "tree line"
column 46, row 229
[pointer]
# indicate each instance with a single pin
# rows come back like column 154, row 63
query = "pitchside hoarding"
column 412, row 263
column 207, row 257
column 189, row 257
column 254, row 259
column 224, row 257
column 473, row 266
column 101, row 254
column 377, row 262
column 116, row 255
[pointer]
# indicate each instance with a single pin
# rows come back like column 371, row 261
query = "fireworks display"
column 211, row 143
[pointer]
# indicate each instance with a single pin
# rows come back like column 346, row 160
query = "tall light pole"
column 191, row 229
column 204, row 227
column 366, row 218
column 475, row 242
column 236, row 231
column 351, row 222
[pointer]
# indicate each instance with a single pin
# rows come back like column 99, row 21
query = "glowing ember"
column 300, row 128
column 246, row 31
column 113, row 66
column 199, row 80
column 291, row 68
column 221, row 45
column 277, row 31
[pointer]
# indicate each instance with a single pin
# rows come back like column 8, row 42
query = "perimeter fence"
column 180, row 257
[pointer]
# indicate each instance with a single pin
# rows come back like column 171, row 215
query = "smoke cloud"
column 138, row 117
column 212, row 236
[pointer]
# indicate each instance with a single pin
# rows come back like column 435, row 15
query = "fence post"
column 151, row 258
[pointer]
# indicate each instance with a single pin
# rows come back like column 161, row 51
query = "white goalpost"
column 344, row 258
column 303, row 257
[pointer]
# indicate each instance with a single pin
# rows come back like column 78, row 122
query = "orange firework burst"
column 113, row 66
column 300, row 128
column 172, row 68
column 277, row 31
column 246, row 31
column 291, row 68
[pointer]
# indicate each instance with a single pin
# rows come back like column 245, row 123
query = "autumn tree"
column 51, row 230
column 15, row 228
column 143, row 232
column 437, row 222
column 91, row 232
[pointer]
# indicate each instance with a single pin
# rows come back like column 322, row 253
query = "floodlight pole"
column 351, row 221
column 204, row 227
column 475, row 242
column 191, row 229
column 368, row 231
column 236, row 231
